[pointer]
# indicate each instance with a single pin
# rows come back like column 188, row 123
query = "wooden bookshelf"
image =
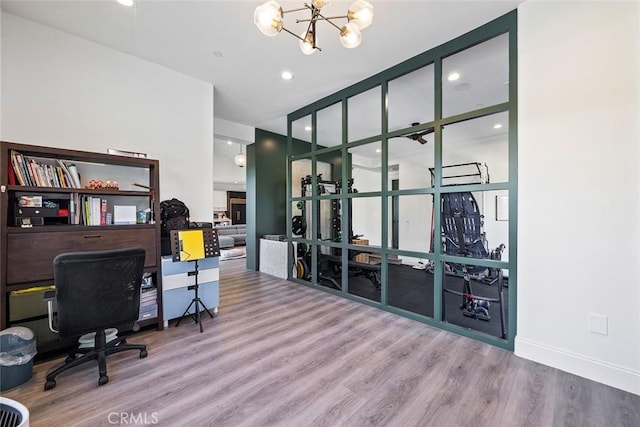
column 37, row 222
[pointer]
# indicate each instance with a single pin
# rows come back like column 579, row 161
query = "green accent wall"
column 267, row 189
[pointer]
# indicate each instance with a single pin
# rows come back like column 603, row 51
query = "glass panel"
column 302, row 268
column 476, row 77
column 301, row 129
column 484, row 141
column 481, row 217
column 329, row 220
column 410, row 158
column 410, row 99
column 329, row 267
column 300, row 169
column 410, row 285
column 329, row 122
column 366, row 221
column 329, row 167
column 365, row 114
column 410, row 222
column 366, row 171
column 364, row 274
column 301, row 219
column 481, row 303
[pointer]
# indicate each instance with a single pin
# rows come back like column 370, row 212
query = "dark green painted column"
column 266, row 191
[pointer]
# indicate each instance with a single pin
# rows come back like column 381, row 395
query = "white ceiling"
column 184, row 35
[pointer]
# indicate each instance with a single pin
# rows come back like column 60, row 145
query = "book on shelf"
column 148, row 312
column 86, row 217
column 103, row 212
column 17, row 170
column 33, row 176
column 12, row 175
column 36, row 172
column 29, row 178
column 67, row 174
column 149, row 293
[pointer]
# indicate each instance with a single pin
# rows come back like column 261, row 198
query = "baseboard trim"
column 586, row 367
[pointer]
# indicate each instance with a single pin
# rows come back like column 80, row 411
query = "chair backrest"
column 97, row 289
column 462, row 226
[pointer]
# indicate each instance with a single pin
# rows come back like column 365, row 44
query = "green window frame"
column 297, row 150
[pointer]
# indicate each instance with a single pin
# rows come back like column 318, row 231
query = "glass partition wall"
column 402, row 188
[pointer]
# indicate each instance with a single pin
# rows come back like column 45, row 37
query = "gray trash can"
column 17, row 349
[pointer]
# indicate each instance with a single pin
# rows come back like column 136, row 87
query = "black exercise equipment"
column 462, row 173
column 329, row 265
column 299, row 225
column 463, row 236
column 355, row 268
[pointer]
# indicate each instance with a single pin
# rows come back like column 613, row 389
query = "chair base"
column 100, row 352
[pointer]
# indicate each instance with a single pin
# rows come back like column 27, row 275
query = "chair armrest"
column 49, row 297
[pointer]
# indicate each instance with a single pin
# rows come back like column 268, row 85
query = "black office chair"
column 95, row 291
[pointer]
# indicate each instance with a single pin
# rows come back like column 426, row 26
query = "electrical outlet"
column 598, row 324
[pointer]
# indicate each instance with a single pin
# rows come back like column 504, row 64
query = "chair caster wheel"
column 143, row 354
column 103, row 380
column 49, row 385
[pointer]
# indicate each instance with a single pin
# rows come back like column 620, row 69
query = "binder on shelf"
column 96, row 208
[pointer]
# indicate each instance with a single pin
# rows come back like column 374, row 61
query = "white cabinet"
column 219, row 200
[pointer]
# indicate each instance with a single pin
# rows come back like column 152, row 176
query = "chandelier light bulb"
column 361, row 13
column 350, row 36
column 268, row 18
column 240, row 159
column 320, row 3
column 307, row 46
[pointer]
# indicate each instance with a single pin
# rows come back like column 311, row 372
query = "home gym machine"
column 329, row 265
column 463, row 235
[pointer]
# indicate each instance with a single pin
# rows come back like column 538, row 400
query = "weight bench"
column 370, row 271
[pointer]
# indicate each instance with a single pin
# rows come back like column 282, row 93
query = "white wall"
column 226, row 175
column 579, row 189
column 63, row 91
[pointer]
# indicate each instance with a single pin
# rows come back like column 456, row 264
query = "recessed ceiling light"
column 378, row 150
column 308, row 128
column 286, row 75
column 125, row 2
column 235, row 182
column 453, row 77
column 229, row 142
column 497, row 126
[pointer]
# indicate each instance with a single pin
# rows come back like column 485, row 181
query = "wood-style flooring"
column 281, row 354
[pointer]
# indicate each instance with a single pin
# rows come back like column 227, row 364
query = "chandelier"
column 240, row 159
column 269, row 20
